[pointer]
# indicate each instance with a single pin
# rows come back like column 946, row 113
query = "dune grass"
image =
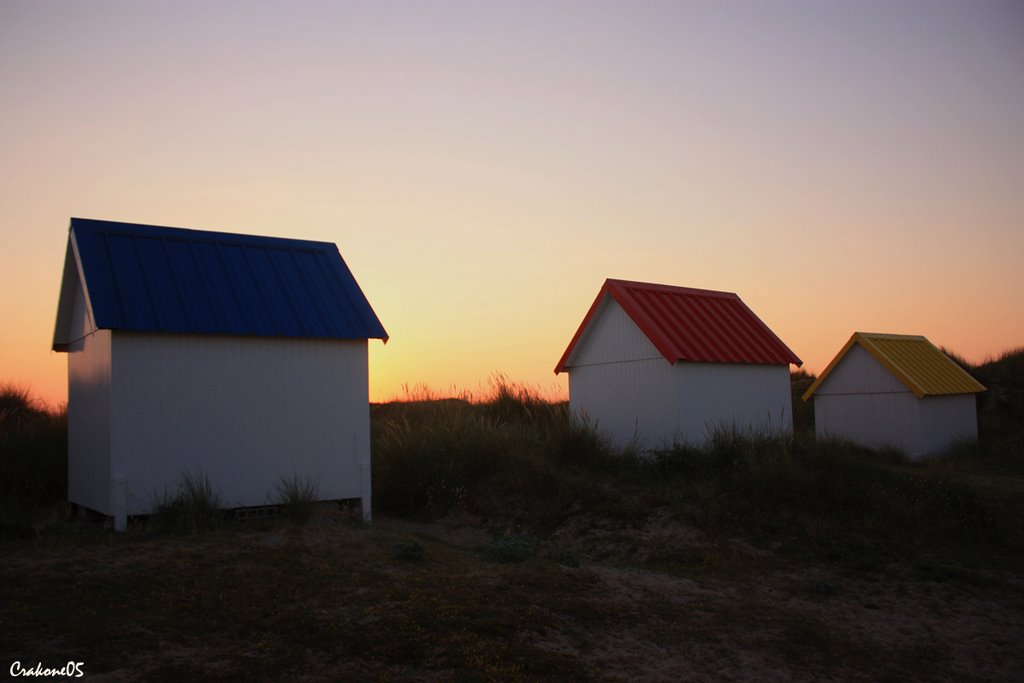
column 827, row 499
column 33, row 460
column 558, row 558
column 512, row 456
column 516, row 461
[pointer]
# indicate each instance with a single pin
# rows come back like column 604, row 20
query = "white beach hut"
column 895, row 391
column 237, row 356
column 652, row 365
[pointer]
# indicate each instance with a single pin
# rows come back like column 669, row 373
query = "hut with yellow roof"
column 895, row 391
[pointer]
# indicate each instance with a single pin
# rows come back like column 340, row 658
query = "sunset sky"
column 484, row 166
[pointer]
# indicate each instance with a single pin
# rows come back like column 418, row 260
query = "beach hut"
column 895, row 391
column 652, row 365
column 238, row 357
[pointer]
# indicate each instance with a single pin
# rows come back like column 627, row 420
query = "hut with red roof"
column 652, row 365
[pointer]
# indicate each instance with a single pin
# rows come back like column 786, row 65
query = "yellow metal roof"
column 915, row 362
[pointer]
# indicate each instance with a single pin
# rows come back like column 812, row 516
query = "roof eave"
column 791, row 357
column 71, row 280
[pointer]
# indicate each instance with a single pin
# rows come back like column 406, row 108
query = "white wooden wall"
column 860, row 373
column 863, row 402
column 882, row 420
column 89, row 403
column 631, row 403
column 245, row 411
column 621, row 384
column 750, row 399
column 944, row 421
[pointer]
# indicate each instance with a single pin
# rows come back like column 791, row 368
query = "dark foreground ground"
column 653, row 599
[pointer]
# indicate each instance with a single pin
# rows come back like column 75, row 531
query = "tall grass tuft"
column 33, row 459
column 512, row 402
column 195, row 507
column 300, row 496
column 498, row 457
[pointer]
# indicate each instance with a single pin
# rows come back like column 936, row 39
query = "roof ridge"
column 654, row 286
column 890, row 335
column 198, row 234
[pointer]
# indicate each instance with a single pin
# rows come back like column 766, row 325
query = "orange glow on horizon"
column 484, row 167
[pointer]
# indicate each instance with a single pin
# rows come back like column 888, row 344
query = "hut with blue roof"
column 242, row 358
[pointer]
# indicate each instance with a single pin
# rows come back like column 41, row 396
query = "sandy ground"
column 771, row 620
column 654, row 602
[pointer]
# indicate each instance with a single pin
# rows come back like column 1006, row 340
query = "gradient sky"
column 484, row 166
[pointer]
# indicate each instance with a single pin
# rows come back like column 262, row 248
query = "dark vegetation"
column 1001, row 408
column 33, row 461
column 516, row 460
column 510, row 544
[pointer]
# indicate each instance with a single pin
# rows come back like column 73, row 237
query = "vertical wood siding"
column 863, row 402
column 946, row 420
column 631, row 403
column 748, row 399
column 246, row 411
column 89, row 405
column 621, row 385
column 882, row 420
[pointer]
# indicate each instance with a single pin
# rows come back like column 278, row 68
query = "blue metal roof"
column 144, row 278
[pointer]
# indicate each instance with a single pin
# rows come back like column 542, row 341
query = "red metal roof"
column 695, row 325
